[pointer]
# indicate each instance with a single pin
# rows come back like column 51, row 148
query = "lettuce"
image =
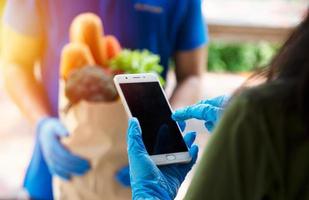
column 137, row 61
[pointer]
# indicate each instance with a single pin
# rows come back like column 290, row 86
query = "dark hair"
column 292, row 64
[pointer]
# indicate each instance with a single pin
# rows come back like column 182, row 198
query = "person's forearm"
column 26, row 92
column 187, row 92
column 190, row 68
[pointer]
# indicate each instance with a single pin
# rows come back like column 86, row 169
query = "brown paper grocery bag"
column 97, row 133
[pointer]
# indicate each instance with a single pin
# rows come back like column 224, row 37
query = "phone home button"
column 170, row 157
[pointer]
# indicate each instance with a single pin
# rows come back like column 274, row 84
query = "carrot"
column 87, row 28
column 112, row 46
column 74, row 56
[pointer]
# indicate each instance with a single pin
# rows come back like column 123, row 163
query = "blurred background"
column 244, row 34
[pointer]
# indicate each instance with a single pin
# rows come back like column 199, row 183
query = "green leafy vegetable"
column 137, row 61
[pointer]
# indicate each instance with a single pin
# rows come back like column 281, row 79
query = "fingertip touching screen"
column 147, row 103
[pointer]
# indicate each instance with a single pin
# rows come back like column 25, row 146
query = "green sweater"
column 258, row 151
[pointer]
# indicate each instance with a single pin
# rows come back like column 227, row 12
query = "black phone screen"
column 147, row 103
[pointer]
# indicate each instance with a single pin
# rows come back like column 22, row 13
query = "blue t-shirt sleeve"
column 193, row 30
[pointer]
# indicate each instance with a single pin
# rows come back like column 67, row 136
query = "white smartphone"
column 144, row 98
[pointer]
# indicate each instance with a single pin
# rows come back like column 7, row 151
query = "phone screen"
column 148, row 104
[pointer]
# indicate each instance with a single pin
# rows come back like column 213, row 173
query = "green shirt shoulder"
column 258, row 151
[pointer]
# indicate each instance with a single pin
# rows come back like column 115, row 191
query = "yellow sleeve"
column 22, row 35
column 19, row 49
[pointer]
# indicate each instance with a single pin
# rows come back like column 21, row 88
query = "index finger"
column 216, row 101
column 199, row 111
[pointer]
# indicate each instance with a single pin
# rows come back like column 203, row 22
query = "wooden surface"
column 248, row 34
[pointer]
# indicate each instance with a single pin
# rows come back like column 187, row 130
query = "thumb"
column 141, row 166
column 134, row 139
column 60, row 129
column 52, row 126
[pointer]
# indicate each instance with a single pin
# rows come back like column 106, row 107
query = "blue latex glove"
column 149, row 181
column 208, row 110
column 123, row 176
column 60, row 161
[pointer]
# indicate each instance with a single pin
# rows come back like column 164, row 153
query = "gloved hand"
column 60, row 161
column 123, row 176
column 208, row 110
column 149, row 180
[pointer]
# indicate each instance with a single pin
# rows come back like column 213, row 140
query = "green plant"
column 239, row 57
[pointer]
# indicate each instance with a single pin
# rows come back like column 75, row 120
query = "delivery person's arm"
column 19, row 54
column 22, row 45
column 190, row 67
column 190, row 56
